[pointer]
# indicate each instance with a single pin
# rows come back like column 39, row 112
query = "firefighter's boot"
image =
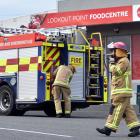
column 60, row 115
column 134, row 132
column 104, row 130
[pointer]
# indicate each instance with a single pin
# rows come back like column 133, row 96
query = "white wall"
column 15, row 22
column 71, row 5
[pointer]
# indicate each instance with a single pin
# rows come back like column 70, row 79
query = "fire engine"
column 28, row 59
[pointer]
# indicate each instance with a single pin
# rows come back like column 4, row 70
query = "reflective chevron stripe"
column 52, row 58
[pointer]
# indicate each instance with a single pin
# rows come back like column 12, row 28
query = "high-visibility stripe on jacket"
column 63, row 76
column 121, row 77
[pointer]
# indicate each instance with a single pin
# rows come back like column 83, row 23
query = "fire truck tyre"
column 50, row 110
column 6, row 100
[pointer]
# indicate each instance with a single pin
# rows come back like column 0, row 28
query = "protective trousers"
column 57, row 91
column 121, row 108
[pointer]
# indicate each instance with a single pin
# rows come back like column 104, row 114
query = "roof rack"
column 52, row 34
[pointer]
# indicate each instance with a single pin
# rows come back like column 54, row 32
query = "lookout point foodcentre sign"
column 122, row 14
column 92, row 17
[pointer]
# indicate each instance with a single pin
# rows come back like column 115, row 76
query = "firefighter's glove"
column 111, row 67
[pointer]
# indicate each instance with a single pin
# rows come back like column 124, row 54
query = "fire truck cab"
column 28, row 60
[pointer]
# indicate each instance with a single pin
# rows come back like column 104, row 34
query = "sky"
column 15, row 8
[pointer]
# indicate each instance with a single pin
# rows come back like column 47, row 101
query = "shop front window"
column 136, row 57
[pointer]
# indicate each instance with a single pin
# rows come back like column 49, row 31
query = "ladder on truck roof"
column 20, row 30
column 52, row 35
column 45, row 31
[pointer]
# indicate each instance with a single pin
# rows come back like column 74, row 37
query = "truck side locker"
column 77, row 50
column 51, row 52
column 51, row 60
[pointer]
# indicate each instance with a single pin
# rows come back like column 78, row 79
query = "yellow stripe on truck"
column 23, row 61
column 58, row 63
column 20, row 64
column 49, row 54
column 3, row 62
column 11, row 68
column 33, row 67
column 56, row 56
column 50, row 63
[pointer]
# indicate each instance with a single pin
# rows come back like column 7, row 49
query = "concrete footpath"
column 97, row 111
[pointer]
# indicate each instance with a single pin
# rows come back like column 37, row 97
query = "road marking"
column 35, row 132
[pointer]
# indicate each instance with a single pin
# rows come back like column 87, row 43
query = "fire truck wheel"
column 6, row 100
column 49, row 110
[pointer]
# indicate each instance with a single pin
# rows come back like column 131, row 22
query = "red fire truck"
column 27, row 61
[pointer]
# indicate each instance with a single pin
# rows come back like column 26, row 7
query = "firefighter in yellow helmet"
column 121, row 93
column 63, row 75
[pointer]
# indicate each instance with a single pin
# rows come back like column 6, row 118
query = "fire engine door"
column 28, row 74
column 50, row 62
column 76, row 57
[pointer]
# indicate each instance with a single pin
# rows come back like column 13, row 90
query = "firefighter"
column 121, row 93
column 63, row 75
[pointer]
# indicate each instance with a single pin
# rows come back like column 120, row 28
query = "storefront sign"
column 122, row 14
column 89, row 17
column 136, row 12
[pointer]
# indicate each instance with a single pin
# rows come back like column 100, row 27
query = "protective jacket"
column 121, row 78
column 63, row 76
